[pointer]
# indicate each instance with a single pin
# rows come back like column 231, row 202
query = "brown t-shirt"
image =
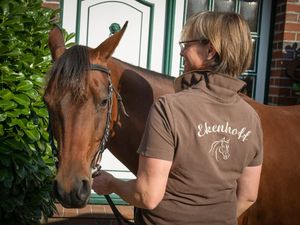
column 210, row 134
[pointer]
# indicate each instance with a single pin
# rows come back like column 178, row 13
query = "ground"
column 89, row 215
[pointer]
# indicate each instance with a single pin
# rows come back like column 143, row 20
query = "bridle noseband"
column 96, row 167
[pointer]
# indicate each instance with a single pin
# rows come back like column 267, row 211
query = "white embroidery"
column 222, row 147
column 205, row 129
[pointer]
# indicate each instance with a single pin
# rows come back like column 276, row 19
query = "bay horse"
column 83, row 97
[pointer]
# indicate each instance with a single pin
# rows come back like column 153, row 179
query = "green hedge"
column 26, row 165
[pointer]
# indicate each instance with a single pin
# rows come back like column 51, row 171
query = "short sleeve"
column 158, row 138
column 258, row 145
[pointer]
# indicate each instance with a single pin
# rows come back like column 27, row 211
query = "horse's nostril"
column 84, row 190
column 86, row 185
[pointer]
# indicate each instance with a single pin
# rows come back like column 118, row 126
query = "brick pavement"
column 89, row 215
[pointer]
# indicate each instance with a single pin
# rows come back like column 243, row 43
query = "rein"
column 96, row 167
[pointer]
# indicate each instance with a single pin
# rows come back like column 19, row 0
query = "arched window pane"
column 224, row 5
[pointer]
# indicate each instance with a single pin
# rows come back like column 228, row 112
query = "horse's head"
column 224, row 148
column 79, row 100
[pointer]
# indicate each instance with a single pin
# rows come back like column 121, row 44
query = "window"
column 250, row 10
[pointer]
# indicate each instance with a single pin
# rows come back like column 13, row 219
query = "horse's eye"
column 104, row 102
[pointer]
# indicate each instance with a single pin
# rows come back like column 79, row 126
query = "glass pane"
column 249, row 10
column 252, row 65
column 224, row 5
column 194, row 6
column 250, row 81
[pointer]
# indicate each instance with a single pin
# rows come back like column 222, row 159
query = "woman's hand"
column 102, row 183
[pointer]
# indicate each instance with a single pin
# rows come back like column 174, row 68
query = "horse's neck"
column 140, row 78
column 139, row 88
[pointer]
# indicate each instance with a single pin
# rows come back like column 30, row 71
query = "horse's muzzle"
column 77, row 197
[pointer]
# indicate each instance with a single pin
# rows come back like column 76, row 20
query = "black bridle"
column 96, row 166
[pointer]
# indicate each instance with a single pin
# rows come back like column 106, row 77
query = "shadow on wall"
column 293, row 61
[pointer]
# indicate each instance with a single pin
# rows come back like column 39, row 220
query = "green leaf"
column 22, row 99
column 5, row 69
column 21, row 123
column 1, row 130
column 13, row 144
column 33, row 134
column 5, row 160
column 37, row 80
column 30, row 125
column 3, row 117
column 15, row 52
column 25, row 111
column 14, row 113
column 4, row 173
column 41, row 112
column 24, row 85
column 7, row 105
column 6, row 94
column 21, row 173
column 33, row 94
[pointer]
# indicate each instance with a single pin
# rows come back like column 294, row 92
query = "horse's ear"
column 56, row 43
column 106, row 48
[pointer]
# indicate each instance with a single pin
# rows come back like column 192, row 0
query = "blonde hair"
column 228, row 33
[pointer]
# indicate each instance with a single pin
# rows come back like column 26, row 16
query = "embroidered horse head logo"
column 220, row 147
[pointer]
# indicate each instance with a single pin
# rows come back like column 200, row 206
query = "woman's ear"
column 211, row 52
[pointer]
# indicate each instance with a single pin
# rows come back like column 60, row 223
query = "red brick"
column 287, row 101
column 290, row 7
column 289, row 17
column 70, row 212
column 278, row 36
column 279, row 64
column 292, row 27
column 277, row 73
column 282, row 82
column 281, row 5
column 298, row 37
column 279, row 18
column 289, row 36
column 277, row 54
column 279, row 27
column 85, row 211
column 274, row 100
column 50, row 5
column 280, row 91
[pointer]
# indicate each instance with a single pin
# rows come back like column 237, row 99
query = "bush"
column 25, row 155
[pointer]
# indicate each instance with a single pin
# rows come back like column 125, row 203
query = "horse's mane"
column 148, row 72
column 69, row 71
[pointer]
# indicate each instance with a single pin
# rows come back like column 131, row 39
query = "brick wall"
column 286, row 43
column 52, row 4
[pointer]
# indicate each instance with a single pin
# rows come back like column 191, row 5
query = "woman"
column 201, row 153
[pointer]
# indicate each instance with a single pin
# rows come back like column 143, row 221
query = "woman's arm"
column 146, row 191
column 247, row 189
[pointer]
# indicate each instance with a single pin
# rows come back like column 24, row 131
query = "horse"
column 89, row 94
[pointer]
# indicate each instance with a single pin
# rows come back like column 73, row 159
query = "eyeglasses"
column 185, row 44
